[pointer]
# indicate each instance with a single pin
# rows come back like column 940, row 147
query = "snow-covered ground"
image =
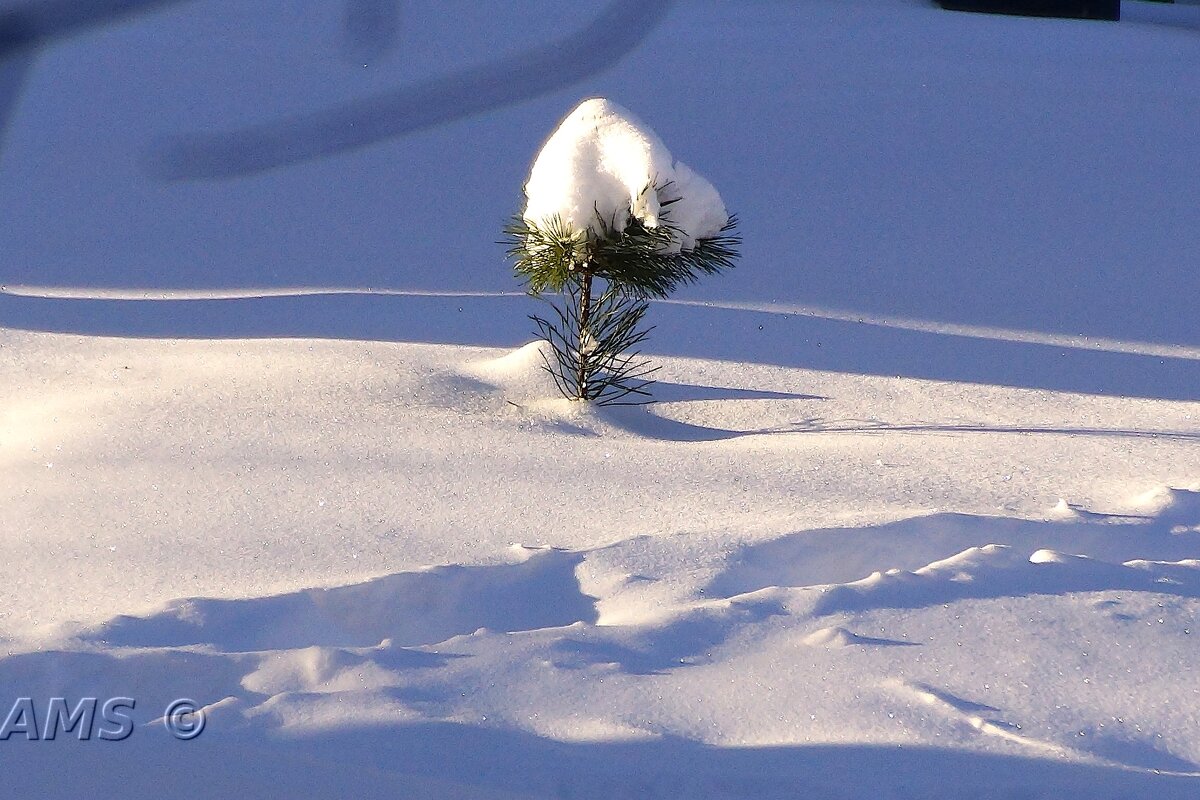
column 916, row 514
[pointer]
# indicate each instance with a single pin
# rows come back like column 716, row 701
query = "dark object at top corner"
column 1075, row 9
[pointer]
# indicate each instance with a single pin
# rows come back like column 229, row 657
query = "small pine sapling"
column 602, row 268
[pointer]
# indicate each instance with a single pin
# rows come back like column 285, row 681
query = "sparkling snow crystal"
column 602, row 160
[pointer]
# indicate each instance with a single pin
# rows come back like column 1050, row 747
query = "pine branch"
column 607, row 369
column 547, row 255
column 594, row 340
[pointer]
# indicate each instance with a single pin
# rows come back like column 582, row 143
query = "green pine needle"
column 593, row 339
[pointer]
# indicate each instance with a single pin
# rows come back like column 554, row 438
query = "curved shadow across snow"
column 617, row 30
column 693, row 331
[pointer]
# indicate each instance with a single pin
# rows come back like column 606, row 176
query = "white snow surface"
column 915, row 512
column 604, row 166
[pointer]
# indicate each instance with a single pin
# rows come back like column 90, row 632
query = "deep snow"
column 916, row 514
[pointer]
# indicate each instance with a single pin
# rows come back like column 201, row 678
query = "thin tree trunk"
column 585, row 336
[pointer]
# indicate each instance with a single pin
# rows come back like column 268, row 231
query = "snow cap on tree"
column 602, row 168
column 611, row 220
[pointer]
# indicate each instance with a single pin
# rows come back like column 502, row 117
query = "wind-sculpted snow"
column 410, row 608
column 837, row 636
column 999, row 571
column 1165, row 532
column 592, row 666
column 1168, row 536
